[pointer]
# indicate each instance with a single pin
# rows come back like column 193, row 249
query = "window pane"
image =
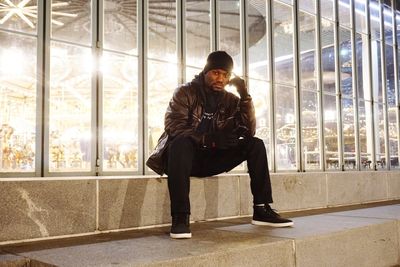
column 70, row 108
column 348, row 133
column 363, row 76
column 346, row 65
column 307, row 5
column 344, row 13
column 285, row 119
column 162, row 80
column 393, row 137
column 390, row 79
column 17, row 103
column 230, row 31
column 258, row 50
column 19, row 15
column 71, row 20
column 388, row 22
column 331, row 132
column 162, row 30
column 380, row 148
column 328, row 56
column 308, row 57
column 197, row 32
column 286, row 1
column 327, row 9
column 283, row 43
column 398, row 22
column 365, row 126
column 361, row 16
column 376, row 71
column 120, row 27
column 310, row 130
column 260, row 92
column 120, row 112
column 191, row 72
column 375, row 18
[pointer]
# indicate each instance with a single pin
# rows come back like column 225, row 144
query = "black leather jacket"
column 184, row 113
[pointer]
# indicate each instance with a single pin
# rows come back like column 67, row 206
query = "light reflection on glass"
column 17, row 103
column 70, row 108
column 120, row 100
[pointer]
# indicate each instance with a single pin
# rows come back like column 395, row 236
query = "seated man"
column 209, row 131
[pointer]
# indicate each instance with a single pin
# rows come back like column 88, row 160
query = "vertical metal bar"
column 181, row 38
column 45, row 165
column 97, row 119
column 372, row 132
column 338, row 87
column 384, row 84
column 320, row 86
column 355, row 85
column 297, row 87
column 214, row 24
column 142, row 83
column 40, row 55
column 270, row 22
column 396, row 74
column 244, row 40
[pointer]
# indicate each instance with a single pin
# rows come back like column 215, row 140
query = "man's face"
column 217, row 79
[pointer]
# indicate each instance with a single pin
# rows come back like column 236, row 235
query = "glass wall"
column 86, row 92
column 70, row 90
column 18, row 86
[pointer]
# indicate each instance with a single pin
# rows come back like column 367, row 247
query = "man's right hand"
column 220, row 140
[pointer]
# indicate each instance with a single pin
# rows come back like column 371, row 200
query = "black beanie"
column 219, row 60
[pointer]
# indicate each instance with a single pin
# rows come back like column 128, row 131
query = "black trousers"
column 184, row 159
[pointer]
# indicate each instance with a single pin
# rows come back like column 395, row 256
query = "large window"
column 84, row 84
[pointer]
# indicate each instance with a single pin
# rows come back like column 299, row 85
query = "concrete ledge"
column 364, row 237
column 46, row 208
column 68, row 206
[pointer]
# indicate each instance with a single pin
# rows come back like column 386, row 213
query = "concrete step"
column 361, row 237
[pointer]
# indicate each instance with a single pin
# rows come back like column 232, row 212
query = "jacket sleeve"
column 247, row 115
column 179, row 116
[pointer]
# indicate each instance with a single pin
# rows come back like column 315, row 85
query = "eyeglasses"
column 225, row 75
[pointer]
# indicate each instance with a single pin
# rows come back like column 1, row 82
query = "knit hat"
column 219, row 60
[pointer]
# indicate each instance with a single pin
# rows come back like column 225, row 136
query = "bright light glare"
column 11, row 62
column 330, row 115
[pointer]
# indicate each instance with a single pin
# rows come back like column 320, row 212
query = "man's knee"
column 257, row 142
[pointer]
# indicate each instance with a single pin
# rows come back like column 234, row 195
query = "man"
column 209, row 131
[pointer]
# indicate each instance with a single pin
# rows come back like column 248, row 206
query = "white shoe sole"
column 287, row 224
column 181, row 235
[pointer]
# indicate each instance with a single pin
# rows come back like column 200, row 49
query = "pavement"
column 362, row 235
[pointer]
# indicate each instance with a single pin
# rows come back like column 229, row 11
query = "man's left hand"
column 240, row 86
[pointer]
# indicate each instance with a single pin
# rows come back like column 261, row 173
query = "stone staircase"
column 368, row 235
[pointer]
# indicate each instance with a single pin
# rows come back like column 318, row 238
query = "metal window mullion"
column 355, row 86
column 384, row 84
column 180, row 39
column 214, row 4
column 40, row 81
column 320, row 86
column 142, row 84
column 371, row 89
column 338, row 88
column 244, row 39
column 396, row 75
column 97, row 87
column 298, row 106
column 270, row 40
column 45, row 157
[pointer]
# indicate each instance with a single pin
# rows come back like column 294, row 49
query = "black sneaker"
column 180, row 226
column 264, row 215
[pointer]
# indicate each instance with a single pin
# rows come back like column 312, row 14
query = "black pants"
column 185, row 160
